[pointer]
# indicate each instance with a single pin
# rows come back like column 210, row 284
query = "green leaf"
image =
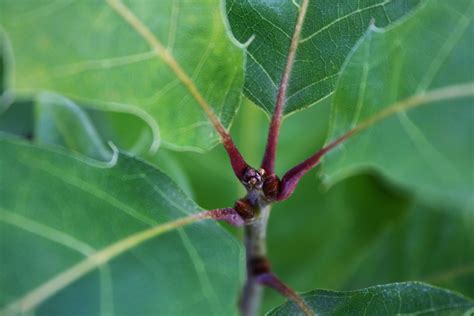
column 87, row 52
column 2, row 67
column 411, row 298
column 330, row 31
column 61, row 215
column 61, row 122
column 6, row 62
column 123, row 129
column 403, row 250
column 429, row 149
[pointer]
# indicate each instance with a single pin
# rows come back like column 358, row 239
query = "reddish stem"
column 271, row 280
column 238, row 163
column 292, row 177
column 268, row 162
column 227, row 214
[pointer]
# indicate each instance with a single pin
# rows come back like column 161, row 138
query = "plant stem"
column 256, row 247
column 268, row 162
column 271, row 280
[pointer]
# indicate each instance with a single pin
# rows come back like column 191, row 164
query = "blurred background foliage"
column 360, row 232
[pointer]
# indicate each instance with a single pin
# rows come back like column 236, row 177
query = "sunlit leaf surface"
column 85, row 51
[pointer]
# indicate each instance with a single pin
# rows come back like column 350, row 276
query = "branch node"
column 245, row 210
column 253, row 179
column 271, row 187
column 258, row 266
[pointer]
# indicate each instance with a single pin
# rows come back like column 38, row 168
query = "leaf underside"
column 428, row 149
column 57, row 210
column 330, row 31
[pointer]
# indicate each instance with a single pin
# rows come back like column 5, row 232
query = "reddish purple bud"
column 253, row 179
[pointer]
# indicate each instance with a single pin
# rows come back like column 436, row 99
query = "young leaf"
column 430, row 149
column 89, row 53
column 77, row 237
column 330, row 31
column 409, row 298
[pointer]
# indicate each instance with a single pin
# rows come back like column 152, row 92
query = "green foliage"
column 329, row 33
column 429, row 149
column 361, row 232
column 411, row 219
column 88, row 53
column 392, row 299
column 59, row 210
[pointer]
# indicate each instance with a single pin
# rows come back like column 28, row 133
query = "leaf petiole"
column 292, row 177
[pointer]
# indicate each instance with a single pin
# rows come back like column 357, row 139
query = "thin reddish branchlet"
column 270, row 280
column 227, row 214
column 266, row 182
column 268, row 162
column 292, row 177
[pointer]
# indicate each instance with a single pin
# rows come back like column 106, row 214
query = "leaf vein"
column 46, row 232
column 342, row 18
